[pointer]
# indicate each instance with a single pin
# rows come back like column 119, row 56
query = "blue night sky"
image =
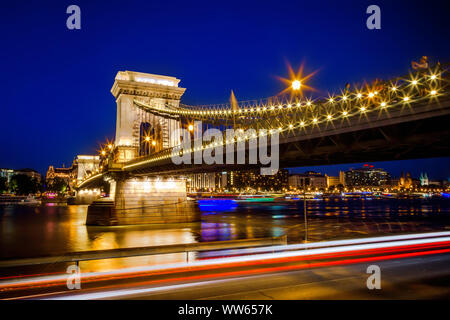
column 56, row 82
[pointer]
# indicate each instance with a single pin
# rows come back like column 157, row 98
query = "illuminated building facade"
column 333, row 181
column 201, row 182
column 309, row 179
column 8, row 173
column 252, row 180
column 81, row 166
column 367, row 176
column 424, row 179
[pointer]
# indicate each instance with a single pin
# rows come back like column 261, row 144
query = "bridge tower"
column 133, row 122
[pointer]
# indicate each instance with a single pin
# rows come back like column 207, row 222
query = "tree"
column 22, row 184
column 57, row 185
column 3, row 184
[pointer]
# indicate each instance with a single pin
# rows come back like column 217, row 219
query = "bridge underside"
column 425, row 138
column 422, row 138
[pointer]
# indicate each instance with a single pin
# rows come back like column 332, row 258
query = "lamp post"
column 296, row 86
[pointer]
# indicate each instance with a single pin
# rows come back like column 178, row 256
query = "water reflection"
column 27, row 231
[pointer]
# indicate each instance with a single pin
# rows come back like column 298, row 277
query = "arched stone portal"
column 155, row 90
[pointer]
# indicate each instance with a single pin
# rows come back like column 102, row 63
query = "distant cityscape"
column 62, row 180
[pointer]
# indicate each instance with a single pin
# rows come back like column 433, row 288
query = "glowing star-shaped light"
column 296, row 84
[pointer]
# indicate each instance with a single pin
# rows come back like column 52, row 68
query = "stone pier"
column 144, row 200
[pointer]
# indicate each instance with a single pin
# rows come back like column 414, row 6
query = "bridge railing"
column 145, row 251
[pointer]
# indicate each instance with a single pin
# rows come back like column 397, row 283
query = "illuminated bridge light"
column 290, row 126
column 315, row 120
column 344, row 98
column 371, row 94
column 331, row 100
column 359, row 95
column 383, row 104
column 414, row 82
column 302, row 123
column 433, row 92
column 345, row 113
column 329, row 117
column 363, row 109
column 394, row 88
column 433, row 77
column 406, row 99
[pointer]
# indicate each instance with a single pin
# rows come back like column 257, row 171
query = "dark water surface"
column 29, row 231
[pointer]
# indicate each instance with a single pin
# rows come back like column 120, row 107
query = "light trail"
column 126, row 292
column 291, row 253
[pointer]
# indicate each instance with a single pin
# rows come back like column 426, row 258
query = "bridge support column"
column 144, row 200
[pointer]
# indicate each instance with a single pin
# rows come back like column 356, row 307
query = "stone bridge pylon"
column 141, row 199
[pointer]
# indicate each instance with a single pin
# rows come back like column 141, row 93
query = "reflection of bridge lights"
column 153, row 143
column 190, row 127
column 296, row 84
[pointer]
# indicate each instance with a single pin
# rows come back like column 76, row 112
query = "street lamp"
column 296, row 84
